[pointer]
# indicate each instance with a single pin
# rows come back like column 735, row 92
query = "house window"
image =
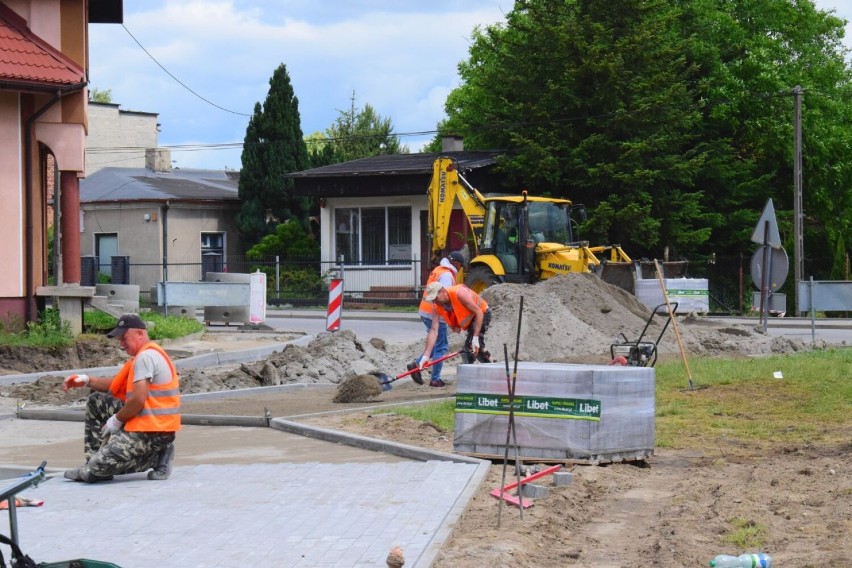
column 212, row 253
column 373, row 235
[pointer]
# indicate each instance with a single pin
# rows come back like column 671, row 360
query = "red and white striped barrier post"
column 335, row 304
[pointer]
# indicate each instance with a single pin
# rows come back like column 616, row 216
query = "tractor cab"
column 514, row 226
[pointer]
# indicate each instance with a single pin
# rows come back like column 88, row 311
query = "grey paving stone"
column 252, row 515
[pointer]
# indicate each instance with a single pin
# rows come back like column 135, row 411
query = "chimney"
column 452, row 143
column 158, row 159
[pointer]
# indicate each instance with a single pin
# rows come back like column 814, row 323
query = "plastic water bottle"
column 759, row 560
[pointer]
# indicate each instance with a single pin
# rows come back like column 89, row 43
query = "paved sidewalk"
column 310, row 514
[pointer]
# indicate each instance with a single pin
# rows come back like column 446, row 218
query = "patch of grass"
column 48, row 331
column 745, row 534
column 159, row 326
column 98, row 322
column 439, row 414
column 739, row 399
column 171, row 327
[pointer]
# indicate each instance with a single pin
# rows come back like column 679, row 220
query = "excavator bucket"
column 621, row 274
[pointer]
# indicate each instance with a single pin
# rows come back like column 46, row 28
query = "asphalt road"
column 833, row 331
column 393, row 327
column 406, row 327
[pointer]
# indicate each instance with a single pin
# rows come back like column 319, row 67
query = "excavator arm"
column 447, row 185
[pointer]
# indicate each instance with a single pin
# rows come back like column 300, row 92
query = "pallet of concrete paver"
column 563, row 412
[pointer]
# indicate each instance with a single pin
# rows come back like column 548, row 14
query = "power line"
column 704, row 103
column 181, row 83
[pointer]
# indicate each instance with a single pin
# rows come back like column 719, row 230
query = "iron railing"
column 304, row 281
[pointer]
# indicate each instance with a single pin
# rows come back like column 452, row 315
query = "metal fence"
column 304, row 281
column 293, row 281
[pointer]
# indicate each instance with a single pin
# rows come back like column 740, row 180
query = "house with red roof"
column 43, row 120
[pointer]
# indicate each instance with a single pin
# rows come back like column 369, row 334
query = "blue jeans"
column 441, row 346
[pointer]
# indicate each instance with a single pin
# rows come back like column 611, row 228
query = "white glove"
column 422, row 361
column 72, row 381
column 474, row 343
column 112, row 425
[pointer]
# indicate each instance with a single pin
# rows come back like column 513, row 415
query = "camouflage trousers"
column 122, row 452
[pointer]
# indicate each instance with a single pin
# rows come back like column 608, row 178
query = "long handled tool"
column 386, row 380
column 674, row 322
column 510, row 428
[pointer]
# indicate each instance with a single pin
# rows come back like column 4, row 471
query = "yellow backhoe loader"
column 516, row 238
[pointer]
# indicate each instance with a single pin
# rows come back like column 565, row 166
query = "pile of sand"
column 329, row 358
column 577, row 317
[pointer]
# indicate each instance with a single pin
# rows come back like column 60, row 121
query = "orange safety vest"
column 433, row 277
column 460, row 317
column 161, row 412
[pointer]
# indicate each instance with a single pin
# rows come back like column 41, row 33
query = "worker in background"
column 445, row 274
column 131, row 418
column 462, row 309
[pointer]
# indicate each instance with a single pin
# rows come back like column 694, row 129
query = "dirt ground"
column 670, row 510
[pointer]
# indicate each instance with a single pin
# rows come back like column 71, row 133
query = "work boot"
column 484, row 356
column 415, row 376
column 80, row 474
column 437, row 383
column 163, row 469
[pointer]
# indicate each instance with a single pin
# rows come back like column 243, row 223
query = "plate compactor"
column 641, row 352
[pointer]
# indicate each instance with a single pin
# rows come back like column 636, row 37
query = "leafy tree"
column 360, row 134
column 297, row 247
column 273, row 147
column 320, row 151
column 100, row 96
column 754, row 52
column 289, row 240
column 672, row 121
column 604, row 118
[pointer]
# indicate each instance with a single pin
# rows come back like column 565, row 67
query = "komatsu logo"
column 558, row 267
column 443, row 184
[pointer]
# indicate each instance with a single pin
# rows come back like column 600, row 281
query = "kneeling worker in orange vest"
column 132, row 418
column 462, row 309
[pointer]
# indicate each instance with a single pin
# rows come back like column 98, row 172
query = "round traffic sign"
column 779, row 266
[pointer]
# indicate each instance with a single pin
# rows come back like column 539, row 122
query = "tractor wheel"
column 480, row 277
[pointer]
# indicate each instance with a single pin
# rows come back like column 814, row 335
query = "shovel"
column 413, row 370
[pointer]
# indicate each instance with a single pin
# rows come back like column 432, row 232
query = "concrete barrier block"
column 561, row 478
column 534, row 490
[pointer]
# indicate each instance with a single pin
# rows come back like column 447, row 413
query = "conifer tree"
column 273, row 147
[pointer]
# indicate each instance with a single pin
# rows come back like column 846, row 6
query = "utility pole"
column 798, row 238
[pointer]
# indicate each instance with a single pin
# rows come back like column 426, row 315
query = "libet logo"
column 487, row 402
column 534, row 406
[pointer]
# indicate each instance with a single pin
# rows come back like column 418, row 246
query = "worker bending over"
column 132, row 418
column 462, row 309
column 445, row 274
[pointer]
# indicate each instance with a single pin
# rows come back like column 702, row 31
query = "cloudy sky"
column 214, row 59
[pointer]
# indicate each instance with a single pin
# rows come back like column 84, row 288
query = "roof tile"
column 27, row 58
